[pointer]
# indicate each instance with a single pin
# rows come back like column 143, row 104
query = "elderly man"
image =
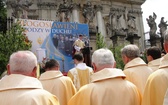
column 108, row 85
column 81, row 73
column 57, row 84
column 136, row 70
column 157, row 83
column 21, row 87
column 153, row 55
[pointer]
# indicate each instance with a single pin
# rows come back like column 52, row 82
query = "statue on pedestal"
column 163, row 27
column 117, row 21
column 131, row 24
column 153, row 28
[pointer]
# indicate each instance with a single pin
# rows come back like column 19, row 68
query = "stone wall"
column 101, row 19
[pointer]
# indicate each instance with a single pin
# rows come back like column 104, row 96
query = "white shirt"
column 81, row 66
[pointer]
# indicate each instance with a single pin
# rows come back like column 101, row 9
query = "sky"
column 160, row 7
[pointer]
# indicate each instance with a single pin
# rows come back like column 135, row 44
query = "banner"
column 56, row 38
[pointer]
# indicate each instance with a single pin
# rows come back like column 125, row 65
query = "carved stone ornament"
column 88, row 12
column 47, row 5
column 20, row 7
column 117, row 21
column 64, row 11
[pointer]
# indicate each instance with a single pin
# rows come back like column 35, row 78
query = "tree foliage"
column 3, row 11
column 100, row 41
column 3, row 16
column 116, row 51
column 117, row 55
column 13, row 40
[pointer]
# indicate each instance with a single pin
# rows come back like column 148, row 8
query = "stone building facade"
column 119, row 21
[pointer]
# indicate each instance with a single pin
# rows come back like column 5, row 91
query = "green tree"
column 3, row 11
column 12, row 41
column 100, row 41
column 143, row 56
column 117, row 55
column 3, row 16
column 116, row 51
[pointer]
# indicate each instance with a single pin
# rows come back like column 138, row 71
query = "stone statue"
column 20, row 8
column 163, row 26
column 88, row 12
column 152, row 24
column 131, row 23
column 108, row 28
column 64, row 11
column 153, row 29
column 117, row 21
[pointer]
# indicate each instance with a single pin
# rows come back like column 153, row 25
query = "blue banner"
column 59, row 43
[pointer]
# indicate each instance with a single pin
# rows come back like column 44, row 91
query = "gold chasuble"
column 157, row 84
column 154, row 64
column 107, row 87
column 80, row 77
column 137, row 72
column 16, row 89
column 59, row 85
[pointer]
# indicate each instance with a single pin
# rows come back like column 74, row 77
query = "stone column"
column 100, row 21
column 44, row 14
column 53, row 9
column 75, row 12
column 42, row 10
column 9, row 9
column 141, row 31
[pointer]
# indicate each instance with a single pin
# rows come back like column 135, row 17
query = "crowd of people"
column 65, row 43
column 139, row 83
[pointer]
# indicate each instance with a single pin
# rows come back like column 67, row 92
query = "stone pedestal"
column 118, row 40
column 159, row 43
column 152, row 40
column 133, row 39
column 136, row 40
